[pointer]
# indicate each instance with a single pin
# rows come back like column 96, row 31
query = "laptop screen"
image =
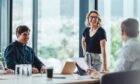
column 69, row 68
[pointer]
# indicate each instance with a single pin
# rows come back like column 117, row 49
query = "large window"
column 5, row 6
column 58, row 25
column 22, row 15
column 113, row 12
column 0, row 33
column 58, row 30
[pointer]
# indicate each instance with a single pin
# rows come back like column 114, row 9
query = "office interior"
column 57, row 26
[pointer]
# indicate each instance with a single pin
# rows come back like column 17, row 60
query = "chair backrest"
column 128, row 77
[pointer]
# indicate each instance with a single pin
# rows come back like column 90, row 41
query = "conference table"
column 42, row 79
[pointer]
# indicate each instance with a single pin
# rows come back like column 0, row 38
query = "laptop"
column 68, row 68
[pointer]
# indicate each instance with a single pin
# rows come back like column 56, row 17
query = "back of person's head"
column 22, row 28
column 88, row 15
column 131, row 27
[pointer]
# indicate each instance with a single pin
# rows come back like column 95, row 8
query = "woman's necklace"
column 92, row 31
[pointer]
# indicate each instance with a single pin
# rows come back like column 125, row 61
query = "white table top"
column 42, row 79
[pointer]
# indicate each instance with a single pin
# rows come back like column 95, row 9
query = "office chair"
column 128, row 77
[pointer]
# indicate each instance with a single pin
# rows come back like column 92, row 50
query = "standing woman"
column 94, row 42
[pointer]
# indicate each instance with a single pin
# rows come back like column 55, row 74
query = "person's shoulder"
column 132, row 44
column 29, row 48
column 86, row 29
column 130, row 50
column 11, row 45
column 101, row 29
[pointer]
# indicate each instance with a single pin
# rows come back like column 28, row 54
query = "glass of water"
column 23, row 70
column 29, row 69
column 18, row 70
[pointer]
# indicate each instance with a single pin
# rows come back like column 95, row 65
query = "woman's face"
column 93, row 19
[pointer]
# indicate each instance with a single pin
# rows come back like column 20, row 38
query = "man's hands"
column 42, row 70
column 35, row 70
column 9, row 71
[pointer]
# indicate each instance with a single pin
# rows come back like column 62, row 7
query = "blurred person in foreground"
column 129, row 58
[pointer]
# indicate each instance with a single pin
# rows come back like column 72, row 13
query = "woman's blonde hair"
column 87, row 17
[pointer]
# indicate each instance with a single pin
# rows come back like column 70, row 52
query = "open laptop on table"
column 68, row 69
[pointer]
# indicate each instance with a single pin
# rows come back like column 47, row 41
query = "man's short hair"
column 131, row 27
column 22, row 28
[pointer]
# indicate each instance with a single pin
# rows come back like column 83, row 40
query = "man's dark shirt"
column 16, row 53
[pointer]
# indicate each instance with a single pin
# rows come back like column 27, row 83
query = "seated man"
column 129, row 58
column 19, row 53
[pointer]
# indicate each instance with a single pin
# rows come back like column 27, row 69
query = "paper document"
column 82, row 63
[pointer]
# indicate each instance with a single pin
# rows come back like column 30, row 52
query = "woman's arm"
column 103, row 51
column 83, row 45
